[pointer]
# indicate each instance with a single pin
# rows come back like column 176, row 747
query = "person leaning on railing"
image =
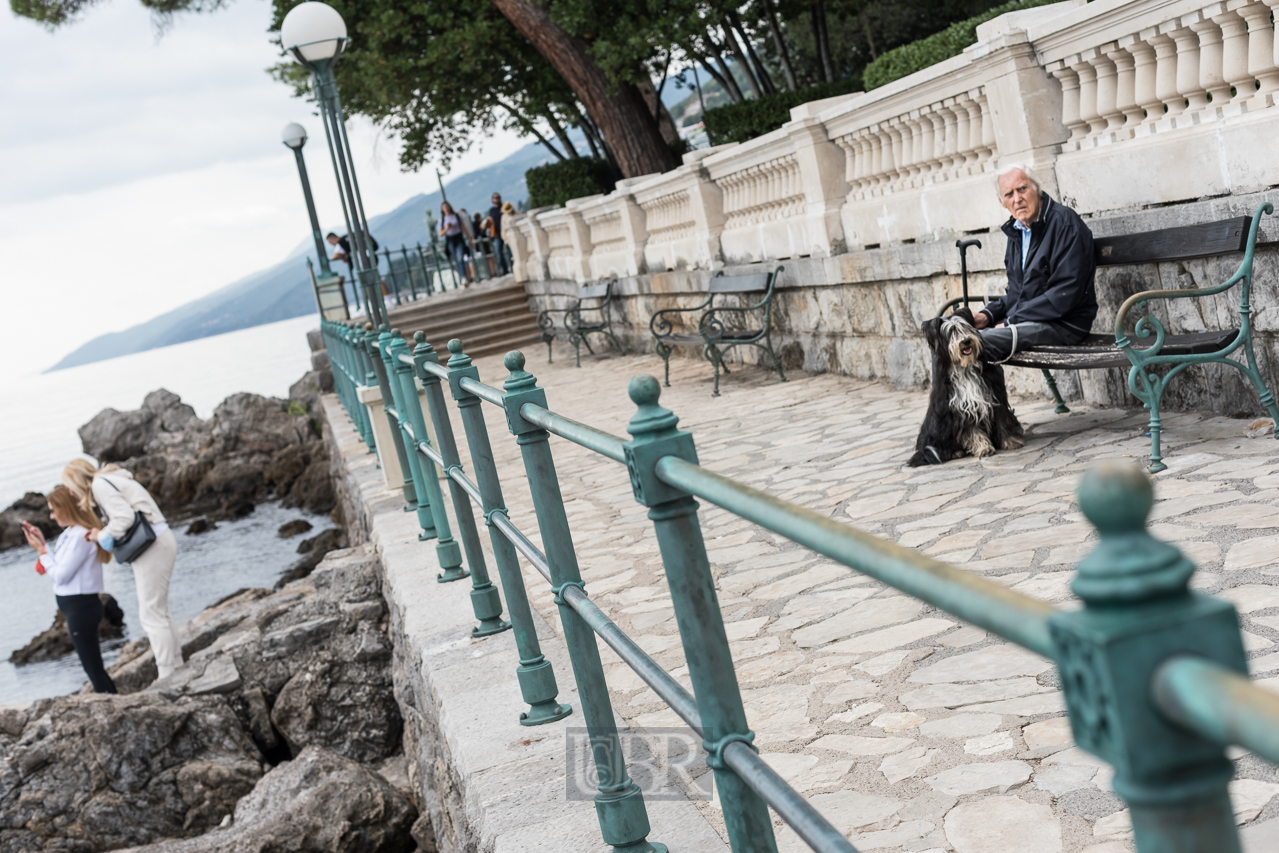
column 114, row 491
column 1051, row 298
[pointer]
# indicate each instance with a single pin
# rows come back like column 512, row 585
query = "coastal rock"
column 114, row 436
column 99, row 772
column 308, row 389
column 292, row 528
column 318, row 803
column 32, row 509
column 314, row 550
column 309, row 665
column 56, row 643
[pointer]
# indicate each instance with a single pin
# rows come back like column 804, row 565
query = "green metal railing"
column 414, row 273
column 1154, row 674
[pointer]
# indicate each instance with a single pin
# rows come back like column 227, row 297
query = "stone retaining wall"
column 859, row 313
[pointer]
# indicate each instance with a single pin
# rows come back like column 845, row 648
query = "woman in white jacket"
column 75, row 564
column 113, row 490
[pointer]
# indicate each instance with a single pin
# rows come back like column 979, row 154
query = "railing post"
column 377, row 343
column 446, row 547
column 407, row 407
column 360, row 367
column 535, row 673
column 1139, row 612
column 697, row 612
column 485, row 601
column 619, row 803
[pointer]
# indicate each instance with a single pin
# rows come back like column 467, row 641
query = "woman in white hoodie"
column 114, row 491
column 75, row 564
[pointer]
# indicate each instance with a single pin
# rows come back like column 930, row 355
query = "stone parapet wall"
column 859, row 313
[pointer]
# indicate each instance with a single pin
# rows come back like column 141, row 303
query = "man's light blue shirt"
column 1025, row 240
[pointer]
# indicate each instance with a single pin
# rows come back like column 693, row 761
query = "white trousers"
column 151, row 572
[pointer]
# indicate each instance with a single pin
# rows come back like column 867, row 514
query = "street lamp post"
column 315, row 35
column 294, row 137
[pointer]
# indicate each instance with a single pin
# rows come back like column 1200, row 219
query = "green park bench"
column 722, row 327
column 1175, row 352
column 588, row 315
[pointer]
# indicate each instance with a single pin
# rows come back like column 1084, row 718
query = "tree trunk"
column 770, row 16
column 561, row 134
column 727, row 80
column 870, row 38
column 823, row 43
column 621, row 114
column 742, row 61
column 761, row 72
column 670, row 134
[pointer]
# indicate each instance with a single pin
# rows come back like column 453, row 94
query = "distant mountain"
column 284, row 290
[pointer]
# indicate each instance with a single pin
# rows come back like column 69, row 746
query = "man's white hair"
column 1015, row 167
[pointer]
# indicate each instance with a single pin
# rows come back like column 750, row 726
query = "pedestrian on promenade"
column 1051, row 298
column 75, row 565
column 454, row 238
column 493, row 226
column 121, row 499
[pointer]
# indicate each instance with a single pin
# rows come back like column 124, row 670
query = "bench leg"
column 777, row 362
column 549, row 354
column 665, row 352
column 577, row 347
column 1061, row 408
column 616, row 342
column 1156, row 429
column 716, row 359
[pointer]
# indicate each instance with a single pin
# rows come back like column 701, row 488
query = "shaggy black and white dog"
column 968, row 411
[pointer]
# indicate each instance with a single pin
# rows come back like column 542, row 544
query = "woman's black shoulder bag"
column 139, row 537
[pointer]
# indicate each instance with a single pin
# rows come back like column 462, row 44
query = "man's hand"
column 981, row 319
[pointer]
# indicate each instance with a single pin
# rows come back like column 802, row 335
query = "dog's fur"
column 968, row 411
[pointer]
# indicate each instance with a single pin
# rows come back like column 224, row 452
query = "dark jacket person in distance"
column 1051, row 298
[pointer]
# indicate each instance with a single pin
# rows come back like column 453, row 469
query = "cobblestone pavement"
column 908, row 729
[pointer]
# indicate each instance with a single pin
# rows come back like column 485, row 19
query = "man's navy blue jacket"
column 1056, row 285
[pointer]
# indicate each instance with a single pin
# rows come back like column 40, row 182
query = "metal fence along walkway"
column 1154, row 674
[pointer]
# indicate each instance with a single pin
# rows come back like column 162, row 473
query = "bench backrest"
column 594, row 291
column 740, row 283
column 1174, row 244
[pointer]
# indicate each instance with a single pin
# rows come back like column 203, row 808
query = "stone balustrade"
column 1117, row 105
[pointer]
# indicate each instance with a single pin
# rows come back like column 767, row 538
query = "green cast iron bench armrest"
column 660, row 326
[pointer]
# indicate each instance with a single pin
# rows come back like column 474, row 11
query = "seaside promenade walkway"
column 909, row 730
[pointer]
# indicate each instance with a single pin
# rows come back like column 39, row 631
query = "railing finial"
column 651, row 420
column 459, row 359
column 519, row 379
column 1129, row 565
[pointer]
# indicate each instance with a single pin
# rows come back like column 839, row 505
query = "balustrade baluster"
column 986, row 154
column 1088, row 112
column 916, row 124
column 1070, row 115
column 899, row 133
column 935, row 143
column 1211, row 79
column 1144, row 69
column 1188, row 86
column 884, row 161
column 972, row 160
column 1263, row 61
column 1234, row 58
column 1167, row 73
column 1111, row 118
column 1130, row 112
column 963, row 139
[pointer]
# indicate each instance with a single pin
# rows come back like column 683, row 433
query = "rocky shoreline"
column 283, row 732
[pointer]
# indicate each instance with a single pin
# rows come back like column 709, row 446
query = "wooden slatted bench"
column 715, row 336
column 1175, row 352
column 588, row 315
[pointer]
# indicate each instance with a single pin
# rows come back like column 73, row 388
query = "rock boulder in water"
column 97, row 772
column 317, row 803
column 32, row 509
column 114, row 436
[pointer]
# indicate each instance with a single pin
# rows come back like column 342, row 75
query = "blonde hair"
column 69, row 509
column 78, row 478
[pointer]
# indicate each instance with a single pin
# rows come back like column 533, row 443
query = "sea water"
column 38, row 437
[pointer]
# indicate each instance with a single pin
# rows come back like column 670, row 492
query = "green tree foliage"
column 555, row 183
column 949, row 42
column 441, row 75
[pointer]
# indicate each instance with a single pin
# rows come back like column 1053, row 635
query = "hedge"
column 749, row 119
column 909, row 58
column 555, row 183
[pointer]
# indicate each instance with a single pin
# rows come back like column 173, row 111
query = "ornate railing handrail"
column 1154, row 675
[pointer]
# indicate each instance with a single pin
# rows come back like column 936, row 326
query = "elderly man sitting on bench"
column 1051, row 300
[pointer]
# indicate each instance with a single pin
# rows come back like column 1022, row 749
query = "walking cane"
column 963, row 245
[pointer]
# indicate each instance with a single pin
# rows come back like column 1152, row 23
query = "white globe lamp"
column 294, row 135
column 313, row 32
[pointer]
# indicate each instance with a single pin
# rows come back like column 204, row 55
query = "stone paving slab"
column 910, row 730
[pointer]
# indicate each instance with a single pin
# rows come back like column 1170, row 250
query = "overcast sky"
column 142, row 171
